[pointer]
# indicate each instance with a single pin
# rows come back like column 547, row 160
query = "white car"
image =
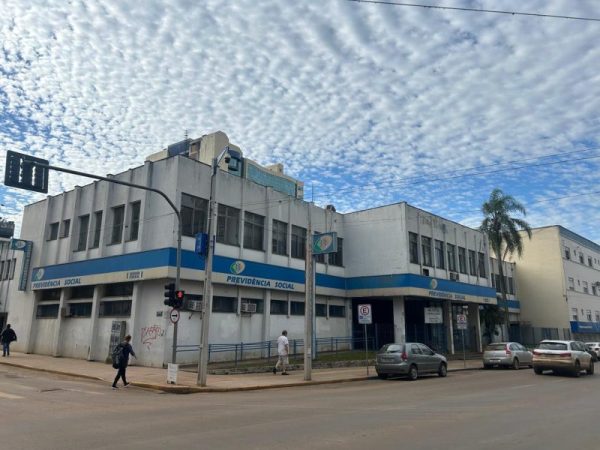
column 562, row 356
column 594, row 346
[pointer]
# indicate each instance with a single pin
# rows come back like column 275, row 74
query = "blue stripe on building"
column 190, row 260
column 585, row 327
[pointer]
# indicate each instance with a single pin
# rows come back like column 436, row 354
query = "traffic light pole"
column 146, row 188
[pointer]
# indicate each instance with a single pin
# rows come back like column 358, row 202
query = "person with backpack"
column 121, row 360
column 6, row 337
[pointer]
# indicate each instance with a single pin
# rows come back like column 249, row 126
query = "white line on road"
column 10, row 396
column 522, row 386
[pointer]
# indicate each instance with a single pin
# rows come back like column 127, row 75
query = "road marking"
column 10, row 396
column 522, row 386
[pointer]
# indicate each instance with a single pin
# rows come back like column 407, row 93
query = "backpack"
column 117, row 356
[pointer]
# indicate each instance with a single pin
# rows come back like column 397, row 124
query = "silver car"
column 595, row 346
column 562, row 356
column 507, row 354
column 410, row 359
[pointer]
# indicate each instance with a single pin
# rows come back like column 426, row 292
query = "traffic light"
column 170, row 294
column 179, row 295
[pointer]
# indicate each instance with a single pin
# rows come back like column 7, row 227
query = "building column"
column 474, row 317
column 57, row 348
column 98, row 293
column 31, row 331
column 449, row 325
column 399, row 320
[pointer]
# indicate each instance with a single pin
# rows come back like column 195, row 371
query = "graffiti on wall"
column 150, row 334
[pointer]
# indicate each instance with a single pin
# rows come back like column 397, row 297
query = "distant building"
column 558, row 278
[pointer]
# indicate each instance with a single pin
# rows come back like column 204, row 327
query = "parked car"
column 594, row 346
column 592, row 352
column 507, row 354
column 562, row 356
column 409, row 359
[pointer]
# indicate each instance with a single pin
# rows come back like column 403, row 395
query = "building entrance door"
column 381, row 331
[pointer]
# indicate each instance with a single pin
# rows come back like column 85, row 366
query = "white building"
column 102, row 253
column 559, row 282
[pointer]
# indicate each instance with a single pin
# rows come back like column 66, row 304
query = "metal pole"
column 462, row 332
column 308, row 319
column 177, row 285
column 208, row 292
column 366, row 349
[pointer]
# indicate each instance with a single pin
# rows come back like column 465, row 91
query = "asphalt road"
column 467, row 410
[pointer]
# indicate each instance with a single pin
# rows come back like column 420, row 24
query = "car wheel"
column 538, row 370
column 590, row 371
column 487, row 366
column 443, row 370
column 382, row 376
column 515, row 364
column 577, row 369
column 413, row 373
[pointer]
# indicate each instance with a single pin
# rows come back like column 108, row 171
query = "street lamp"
column 233, row 161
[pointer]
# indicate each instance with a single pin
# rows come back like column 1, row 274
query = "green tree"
column 491, row 317
column 503, row 232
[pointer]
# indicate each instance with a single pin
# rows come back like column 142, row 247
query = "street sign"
column 172, row 370
column 364, row 314
column 23, row 171
column 461, row 322
column 202, row 244
column 174, row 315
column 434, row 314
column 324, row 243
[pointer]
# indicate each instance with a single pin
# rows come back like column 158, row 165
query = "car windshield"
column 495, row 347
column 391, row 348
column 552, row 346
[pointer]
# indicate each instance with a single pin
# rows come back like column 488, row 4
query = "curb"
column 56, row 372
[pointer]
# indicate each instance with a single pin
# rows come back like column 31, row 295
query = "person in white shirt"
column 283, row 350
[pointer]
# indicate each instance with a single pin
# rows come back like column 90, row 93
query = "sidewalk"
column 156, row 378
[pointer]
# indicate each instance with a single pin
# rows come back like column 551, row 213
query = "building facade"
column 559, row 281
column 102, row 253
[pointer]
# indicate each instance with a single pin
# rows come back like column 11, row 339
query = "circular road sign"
column 174, row 315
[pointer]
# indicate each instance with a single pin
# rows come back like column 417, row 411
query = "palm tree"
column 503, row 234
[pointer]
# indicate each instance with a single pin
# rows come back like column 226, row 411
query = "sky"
column 368, row 104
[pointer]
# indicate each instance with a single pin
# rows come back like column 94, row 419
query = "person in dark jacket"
column 127, row 350
column 6, row 337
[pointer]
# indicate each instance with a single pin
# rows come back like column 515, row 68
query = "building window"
column 279, row 238
column 50, row 294
column 298, row 242
column 585, row 287
column 574, row 316
column 321, row 310
column 594, row 290
column 337, row 311
column 472, row 263
column 337, row 258
column 439, row 255
column 83, row 309
column 511, row 288
column 47, row 311
column 571, row 284
column 97, row 228
column 66, row 227
column 581, row 257
column 228, row 225
column 84, row 222
column 296, row 308
column 413, row 246
column 567, row 253
column 451, row 257
column 588, row 315
column 53, row 231
column 597, row 316
column 134, row 222
column 462, row 260
column 260, row 304
column 115, row 308
column 279, row 307
column 119, row 290
column 194, row 211
column 224, row 304
column 482, row 271
column 254, row 231
column 426, row 251
column 82, row 292
column 590, row 262
column 118, row 216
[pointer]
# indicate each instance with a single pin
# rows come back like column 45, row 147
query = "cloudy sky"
column 368, row 104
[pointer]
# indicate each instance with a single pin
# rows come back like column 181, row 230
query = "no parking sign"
column 364, row 314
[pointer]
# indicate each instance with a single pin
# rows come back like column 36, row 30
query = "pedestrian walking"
column 123, row 361
column 6, row 337
column 283, row 350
